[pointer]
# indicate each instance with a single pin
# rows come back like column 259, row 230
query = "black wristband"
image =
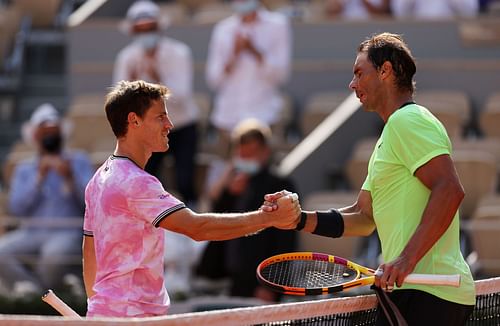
column 330, row 224
column 302, row 222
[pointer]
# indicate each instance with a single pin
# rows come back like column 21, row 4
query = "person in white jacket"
column 248, row 61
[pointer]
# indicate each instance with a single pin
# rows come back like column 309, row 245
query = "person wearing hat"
column 158, row 59
column 44, row 189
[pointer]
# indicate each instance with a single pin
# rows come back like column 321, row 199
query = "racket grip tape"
column 53, row 300
column 428, row 279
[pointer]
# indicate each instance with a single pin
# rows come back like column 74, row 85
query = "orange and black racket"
column 310, row 273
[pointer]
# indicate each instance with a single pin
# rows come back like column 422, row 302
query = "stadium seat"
column 478, row 174
column 489, row 118
column 356, row 167
column 10, row 20
column 174, row 12
column 484, row 230
column 90, row 103
column 42, row 13
column 344, row 247
column 452, row 108
column 211, row 13
column 318, row 107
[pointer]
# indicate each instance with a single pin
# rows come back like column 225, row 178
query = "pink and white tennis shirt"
column 124, row 205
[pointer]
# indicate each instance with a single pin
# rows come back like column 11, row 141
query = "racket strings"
column 307, row 273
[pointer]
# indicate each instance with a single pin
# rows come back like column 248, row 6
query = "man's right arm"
column 213, row 226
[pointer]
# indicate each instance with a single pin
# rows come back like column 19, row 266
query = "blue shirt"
column 52, row 198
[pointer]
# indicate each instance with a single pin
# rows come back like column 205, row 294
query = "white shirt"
column 251, row 89
column 434, row 9
column 174, row 65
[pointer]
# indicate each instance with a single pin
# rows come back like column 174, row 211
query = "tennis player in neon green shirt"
column 411, row 194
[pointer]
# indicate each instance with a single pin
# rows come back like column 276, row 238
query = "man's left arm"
column 438, row 175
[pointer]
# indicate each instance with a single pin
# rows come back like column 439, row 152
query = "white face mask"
column 244, row 7
column 148, row 41
column 250, row 167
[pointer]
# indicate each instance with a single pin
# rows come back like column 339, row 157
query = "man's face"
column 48, row 138
column 251, row 156
column 366, row 82
column 145, row 27
column 155, row 127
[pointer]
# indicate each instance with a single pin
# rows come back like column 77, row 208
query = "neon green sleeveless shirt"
column 411, row 137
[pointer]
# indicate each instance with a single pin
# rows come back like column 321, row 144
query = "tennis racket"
column 52, row 299
column 310, row 273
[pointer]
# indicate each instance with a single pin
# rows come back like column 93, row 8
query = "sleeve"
column 415, row 139
column 218, row 54
column 88, row 218
column 120, row 69
column 465, row 8
column 150, row 202
column 276, row 66
column 24, row 191
column 178, row 73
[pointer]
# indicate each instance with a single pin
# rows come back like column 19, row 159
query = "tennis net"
column 358, row 310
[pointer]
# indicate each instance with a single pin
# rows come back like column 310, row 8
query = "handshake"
column 283, row 209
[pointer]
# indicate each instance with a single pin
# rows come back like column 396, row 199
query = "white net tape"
column 233, row 317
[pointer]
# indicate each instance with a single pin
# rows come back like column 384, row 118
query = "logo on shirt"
column 163, row 196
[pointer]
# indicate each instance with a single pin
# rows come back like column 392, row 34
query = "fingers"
column 386, row 278
column 277, row 195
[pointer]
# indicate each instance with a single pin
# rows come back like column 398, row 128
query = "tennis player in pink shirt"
column 127, row 208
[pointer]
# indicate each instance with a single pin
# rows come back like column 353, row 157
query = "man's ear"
column 385, row 70
column 133, row 119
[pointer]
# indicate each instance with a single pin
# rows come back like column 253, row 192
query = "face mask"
column 246, row 166
column 148, row 41
column 52, row 144
column 245, row 6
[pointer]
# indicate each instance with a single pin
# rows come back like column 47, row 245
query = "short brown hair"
column 391, row 47
column 131, row 96
column 251, row 130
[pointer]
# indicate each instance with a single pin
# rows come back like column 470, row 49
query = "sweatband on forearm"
column 302, row 222
column 330, row 224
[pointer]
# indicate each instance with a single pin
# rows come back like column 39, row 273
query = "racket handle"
column 430, row 279
column 52, row 299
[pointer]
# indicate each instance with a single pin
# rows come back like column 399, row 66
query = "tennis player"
column 411, row 194
column 126, row 209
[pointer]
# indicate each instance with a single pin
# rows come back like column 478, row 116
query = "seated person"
column 241, row 187
column 44, row 189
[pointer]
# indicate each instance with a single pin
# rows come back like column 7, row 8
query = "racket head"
column 311, row 273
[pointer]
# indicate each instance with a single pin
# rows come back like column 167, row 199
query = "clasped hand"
column 284, row 207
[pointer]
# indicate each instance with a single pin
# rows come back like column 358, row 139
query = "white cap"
column 44, row 114
column 143, row 11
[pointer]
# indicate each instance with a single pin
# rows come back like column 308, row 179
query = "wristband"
column 302, row 222
column 330, row 224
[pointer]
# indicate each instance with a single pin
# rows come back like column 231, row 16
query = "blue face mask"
column 148, row 41
column 245, row 7
column 250, row 167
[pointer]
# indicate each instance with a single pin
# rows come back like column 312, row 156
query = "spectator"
column 356, row 9
column 44, row 188
column 154, row 58
column 245, row 181
column 437, row 9
column 248, row 60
